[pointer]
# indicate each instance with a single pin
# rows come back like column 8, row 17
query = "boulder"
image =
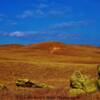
column 80, row 82
column 75, row 92
column 32, row 84
column 24, row 83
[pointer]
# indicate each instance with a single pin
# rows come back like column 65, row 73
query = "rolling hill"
column 49, row 62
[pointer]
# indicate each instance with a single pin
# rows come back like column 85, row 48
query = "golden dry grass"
column 36, row 63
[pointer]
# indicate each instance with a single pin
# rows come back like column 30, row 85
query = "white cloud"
column 20, row 34
column 45, row 9
column 70, row 24
column 13, row 34
column 17, row 34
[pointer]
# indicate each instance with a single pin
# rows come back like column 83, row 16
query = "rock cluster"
column 32, row 84
column 80, row 84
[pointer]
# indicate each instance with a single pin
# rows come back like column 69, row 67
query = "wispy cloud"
column 14, row 34
column 71, row 24
column 43, row 35
column 11, row 22
column 45, row 9
column 17, row 34
column 21, row 34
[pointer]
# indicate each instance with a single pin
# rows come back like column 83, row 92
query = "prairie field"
column 51, row 63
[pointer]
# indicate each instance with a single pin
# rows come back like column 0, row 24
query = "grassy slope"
column 37, row 63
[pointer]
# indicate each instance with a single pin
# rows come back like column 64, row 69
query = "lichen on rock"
column 31, row 84
column 80, row 83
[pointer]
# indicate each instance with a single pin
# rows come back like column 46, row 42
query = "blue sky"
column 33, row 21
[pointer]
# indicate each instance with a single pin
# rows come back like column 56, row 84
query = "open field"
column 51, row 63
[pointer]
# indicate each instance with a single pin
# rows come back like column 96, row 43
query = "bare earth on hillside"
column 52, row 63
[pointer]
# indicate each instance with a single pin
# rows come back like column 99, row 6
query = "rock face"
column 31, row 84
column 81, row 84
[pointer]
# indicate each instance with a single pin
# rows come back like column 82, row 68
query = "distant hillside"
column 65, row 49
column 47, row 45
column 56, row 48
column 10, row 46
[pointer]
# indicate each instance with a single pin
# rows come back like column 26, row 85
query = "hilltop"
column 56, row 48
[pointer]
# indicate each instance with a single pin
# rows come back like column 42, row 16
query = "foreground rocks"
column 80, row 84
column 31, row 84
